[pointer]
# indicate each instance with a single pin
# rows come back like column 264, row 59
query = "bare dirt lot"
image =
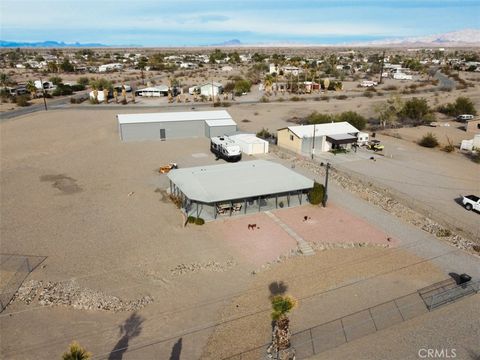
column 72, row 191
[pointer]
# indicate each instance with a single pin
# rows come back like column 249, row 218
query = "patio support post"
column 300, row 197
column 197, row 209
column 215, row 210
column 259, row 204
column 276, row 201
column 231, row 207
column 288, row 199
column 171, row 187
column 245, row 209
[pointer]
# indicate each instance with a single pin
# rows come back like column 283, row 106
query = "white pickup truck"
column 471, row 202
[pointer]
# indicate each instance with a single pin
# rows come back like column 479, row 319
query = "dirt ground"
column 72, row 191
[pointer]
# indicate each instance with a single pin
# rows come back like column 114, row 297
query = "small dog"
column 252, row 226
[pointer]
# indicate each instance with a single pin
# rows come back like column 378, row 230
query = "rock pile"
column 384, row 200
column 197, row 267
column 70, row 294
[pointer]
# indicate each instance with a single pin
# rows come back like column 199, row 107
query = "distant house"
column 301, row 139
column 227, row 68
column 46, row 85
column 110, row 67
column 153, row 91
column 211, row 89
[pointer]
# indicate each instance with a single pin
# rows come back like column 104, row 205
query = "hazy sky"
column 201, row 22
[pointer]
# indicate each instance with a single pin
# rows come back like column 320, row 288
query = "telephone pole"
column 43, row 92
column 325, row 193
column 381, row 68
column 313, row 141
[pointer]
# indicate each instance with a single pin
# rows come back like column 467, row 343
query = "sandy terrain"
column 71, row 191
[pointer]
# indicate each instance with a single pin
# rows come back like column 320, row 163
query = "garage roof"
column 221, row 122
column 240, row 180
column 174, row 116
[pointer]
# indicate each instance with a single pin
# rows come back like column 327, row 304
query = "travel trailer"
column 225, row 148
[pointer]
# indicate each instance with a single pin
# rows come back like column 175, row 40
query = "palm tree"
column 76, row 352
column 281, row 306
column 115, row 95
column 4, row 80
column 31, row 88
column 105, row 95
column 267, row 83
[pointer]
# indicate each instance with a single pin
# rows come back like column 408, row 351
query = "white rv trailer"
column 225, row 148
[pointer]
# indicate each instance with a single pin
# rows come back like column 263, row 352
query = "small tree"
column 56, row 80
column 429, row 141
column 316, row 193
column 281, row 306
column 76, row 352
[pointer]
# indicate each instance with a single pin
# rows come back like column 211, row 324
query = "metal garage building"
column 237, row 188
column 175, row 125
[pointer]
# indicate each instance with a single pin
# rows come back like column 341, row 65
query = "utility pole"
column 325, row 194
column 313, row 141
column 381, row 68
column 43, row 92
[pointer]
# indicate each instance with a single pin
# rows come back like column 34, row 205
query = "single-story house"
column 175, row 125
column 153, row 91
column 211, row 89
column 306, row 139
column 238, row 188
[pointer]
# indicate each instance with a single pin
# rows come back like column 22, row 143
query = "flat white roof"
column 247, row 138
column 220, row 122
column 174, row 116
column 329, row 129
column 245, row 179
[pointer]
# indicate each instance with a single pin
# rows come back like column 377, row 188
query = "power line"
column 214, row 324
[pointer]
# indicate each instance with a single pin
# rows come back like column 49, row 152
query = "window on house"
column 478, row 126
column 291, row 137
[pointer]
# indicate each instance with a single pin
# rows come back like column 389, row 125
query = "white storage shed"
column 250, row 144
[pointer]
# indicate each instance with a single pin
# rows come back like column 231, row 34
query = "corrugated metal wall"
column 173, row 130
column 212, row 131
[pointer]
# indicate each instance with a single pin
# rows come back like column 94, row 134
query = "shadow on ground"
column 176, row 350
column 132, row 327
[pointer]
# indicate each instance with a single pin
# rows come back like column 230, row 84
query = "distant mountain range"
column 466, row 37
column 46, row 44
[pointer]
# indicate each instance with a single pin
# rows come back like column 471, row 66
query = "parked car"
column 464, row 117
column 471, row 202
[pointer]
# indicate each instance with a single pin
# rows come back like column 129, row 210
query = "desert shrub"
column 264, row 134
column 295, row 98
column 246, row 121
column 22, row 100
column 191, row 219
column 281, row 99
column 390, row 88
column 325, row 98
column 368, row 94
column 56, row 80
column 83, row 80
column 199, row 221
column 417, row 110
column 462, row 105
column 63, row 90
column 341, row 97
column 77, row 87
column 353, row 119
column 315, row 196
column 448, row 148
column 429, row 141
column 226, row 104
column 442, row 232
column 264, row 99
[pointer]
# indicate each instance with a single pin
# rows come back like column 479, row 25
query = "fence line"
column 16, row 269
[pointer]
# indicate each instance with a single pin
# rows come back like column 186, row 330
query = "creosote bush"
column 429, row 141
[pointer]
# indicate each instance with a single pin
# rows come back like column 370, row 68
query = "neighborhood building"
column 175, row 125
column 238, row 188
column 301, row 139
column 473, row 126
column 250, row 144
column 211, row 89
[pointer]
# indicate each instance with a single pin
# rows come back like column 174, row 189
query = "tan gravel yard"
column 71, row 191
